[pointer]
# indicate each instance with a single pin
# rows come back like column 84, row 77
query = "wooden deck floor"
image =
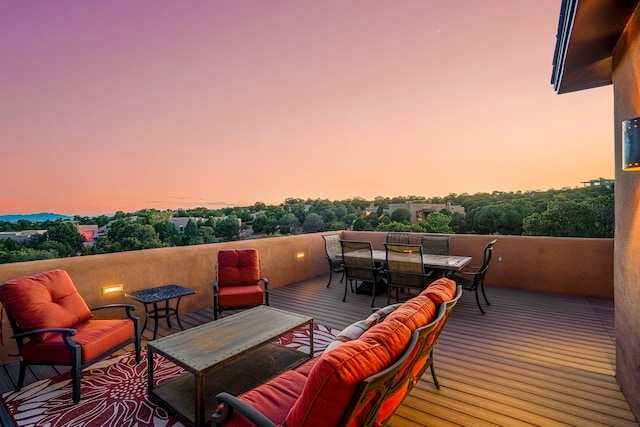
column 533, row 359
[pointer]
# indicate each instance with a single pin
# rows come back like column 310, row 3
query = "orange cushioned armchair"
column 52, row 325
column 238, row 283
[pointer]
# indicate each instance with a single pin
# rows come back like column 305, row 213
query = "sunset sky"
column 112, row 105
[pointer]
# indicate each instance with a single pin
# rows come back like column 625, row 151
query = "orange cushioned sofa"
column 360, row 379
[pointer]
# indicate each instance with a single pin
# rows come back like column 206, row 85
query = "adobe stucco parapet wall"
column 559, row 265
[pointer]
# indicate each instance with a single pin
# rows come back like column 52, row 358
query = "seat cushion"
column 238, row 267
column 275, row 397
column 239, row 296
column 94, row 336
column 47, row 300
column 334, row 378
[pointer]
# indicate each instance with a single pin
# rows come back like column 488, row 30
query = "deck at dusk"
column 533, row 359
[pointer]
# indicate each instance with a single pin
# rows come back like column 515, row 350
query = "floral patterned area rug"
column 114, row 391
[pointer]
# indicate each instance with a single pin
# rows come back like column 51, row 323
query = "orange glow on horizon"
column 228, row 104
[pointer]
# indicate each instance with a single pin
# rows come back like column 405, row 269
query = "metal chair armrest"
column 28, row 334
column 266, row 282
column 466, row 273
column 129, row 307
column 229, row 403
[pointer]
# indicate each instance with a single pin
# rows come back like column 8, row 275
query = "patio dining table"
column 445, row 264
column 438, row 262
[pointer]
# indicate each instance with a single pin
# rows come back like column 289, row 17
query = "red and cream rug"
column 114, row 391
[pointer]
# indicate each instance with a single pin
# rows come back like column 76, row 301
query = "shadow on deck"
column 533, row 359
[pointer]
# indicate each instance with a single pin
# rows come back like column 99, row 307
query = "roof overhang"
column 588, row 31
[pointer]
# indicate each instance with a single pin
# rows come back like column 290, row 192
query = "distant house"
column 20, row 236
column 371, row 209
column 181, row 222
column 89, row 233
column 600, row 182
column 420, row 210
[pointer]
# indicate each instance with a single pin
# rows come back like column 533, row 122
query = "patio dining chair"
column 359, row 266
column 52, row 325
column 404, row 269
column 435, row 245
column 398, row 237
column 333, row 251
column 472, row 278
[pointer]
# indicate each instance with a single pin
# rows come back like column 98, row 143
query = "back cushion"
column 47, row 300
column 415, row 313
column 441, row 290
column 335, row 376
column 238, row 267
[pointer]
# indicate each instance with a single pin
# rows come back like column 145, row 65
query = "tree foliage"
column 577, row 212
column 401, row 215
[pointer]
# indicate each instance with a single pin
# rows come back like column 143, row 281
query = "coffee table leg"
column 311, row 339
column 149, row 369
column 199, row 415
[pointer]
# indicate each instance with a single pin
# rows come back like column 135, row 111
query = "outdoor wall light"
column 300, row 255
column 631, row 145
column 112, row 289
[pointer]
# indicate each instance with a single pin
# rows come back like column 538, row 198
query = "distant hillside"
column 39, row 217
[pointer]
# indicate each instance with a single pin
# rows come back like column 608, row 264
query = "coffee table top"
column 203, row 347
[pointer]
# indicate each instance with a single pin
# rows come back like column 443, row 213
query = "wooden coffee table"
column 233, row 354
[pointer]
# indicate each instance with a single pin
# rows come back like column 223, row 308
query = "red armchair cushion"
column 94, row 336
column 334, row 378
column 238, row 267
column 47, row 300
column 238, row 296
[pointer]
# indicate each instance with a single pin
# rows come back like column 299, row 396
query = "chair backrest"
column 357, row 259
column 435, row 245
column 238, row 267
column 332, row 247
column 398, row 237
column 418, row 351
column 488, row 249
column 422, row 360
column 46, row 300
column 404, row 265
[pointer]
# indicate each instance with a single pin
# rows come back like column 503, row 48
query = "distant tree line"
column 577, row 212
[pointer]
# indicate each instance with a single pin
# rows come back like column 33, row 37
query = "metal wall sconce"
column 631, row 144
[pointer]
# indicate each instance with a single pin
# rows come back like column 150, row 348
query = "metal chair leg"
column 478, row 301
column 21, row 375
column 484, row 295
column 433, row 371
